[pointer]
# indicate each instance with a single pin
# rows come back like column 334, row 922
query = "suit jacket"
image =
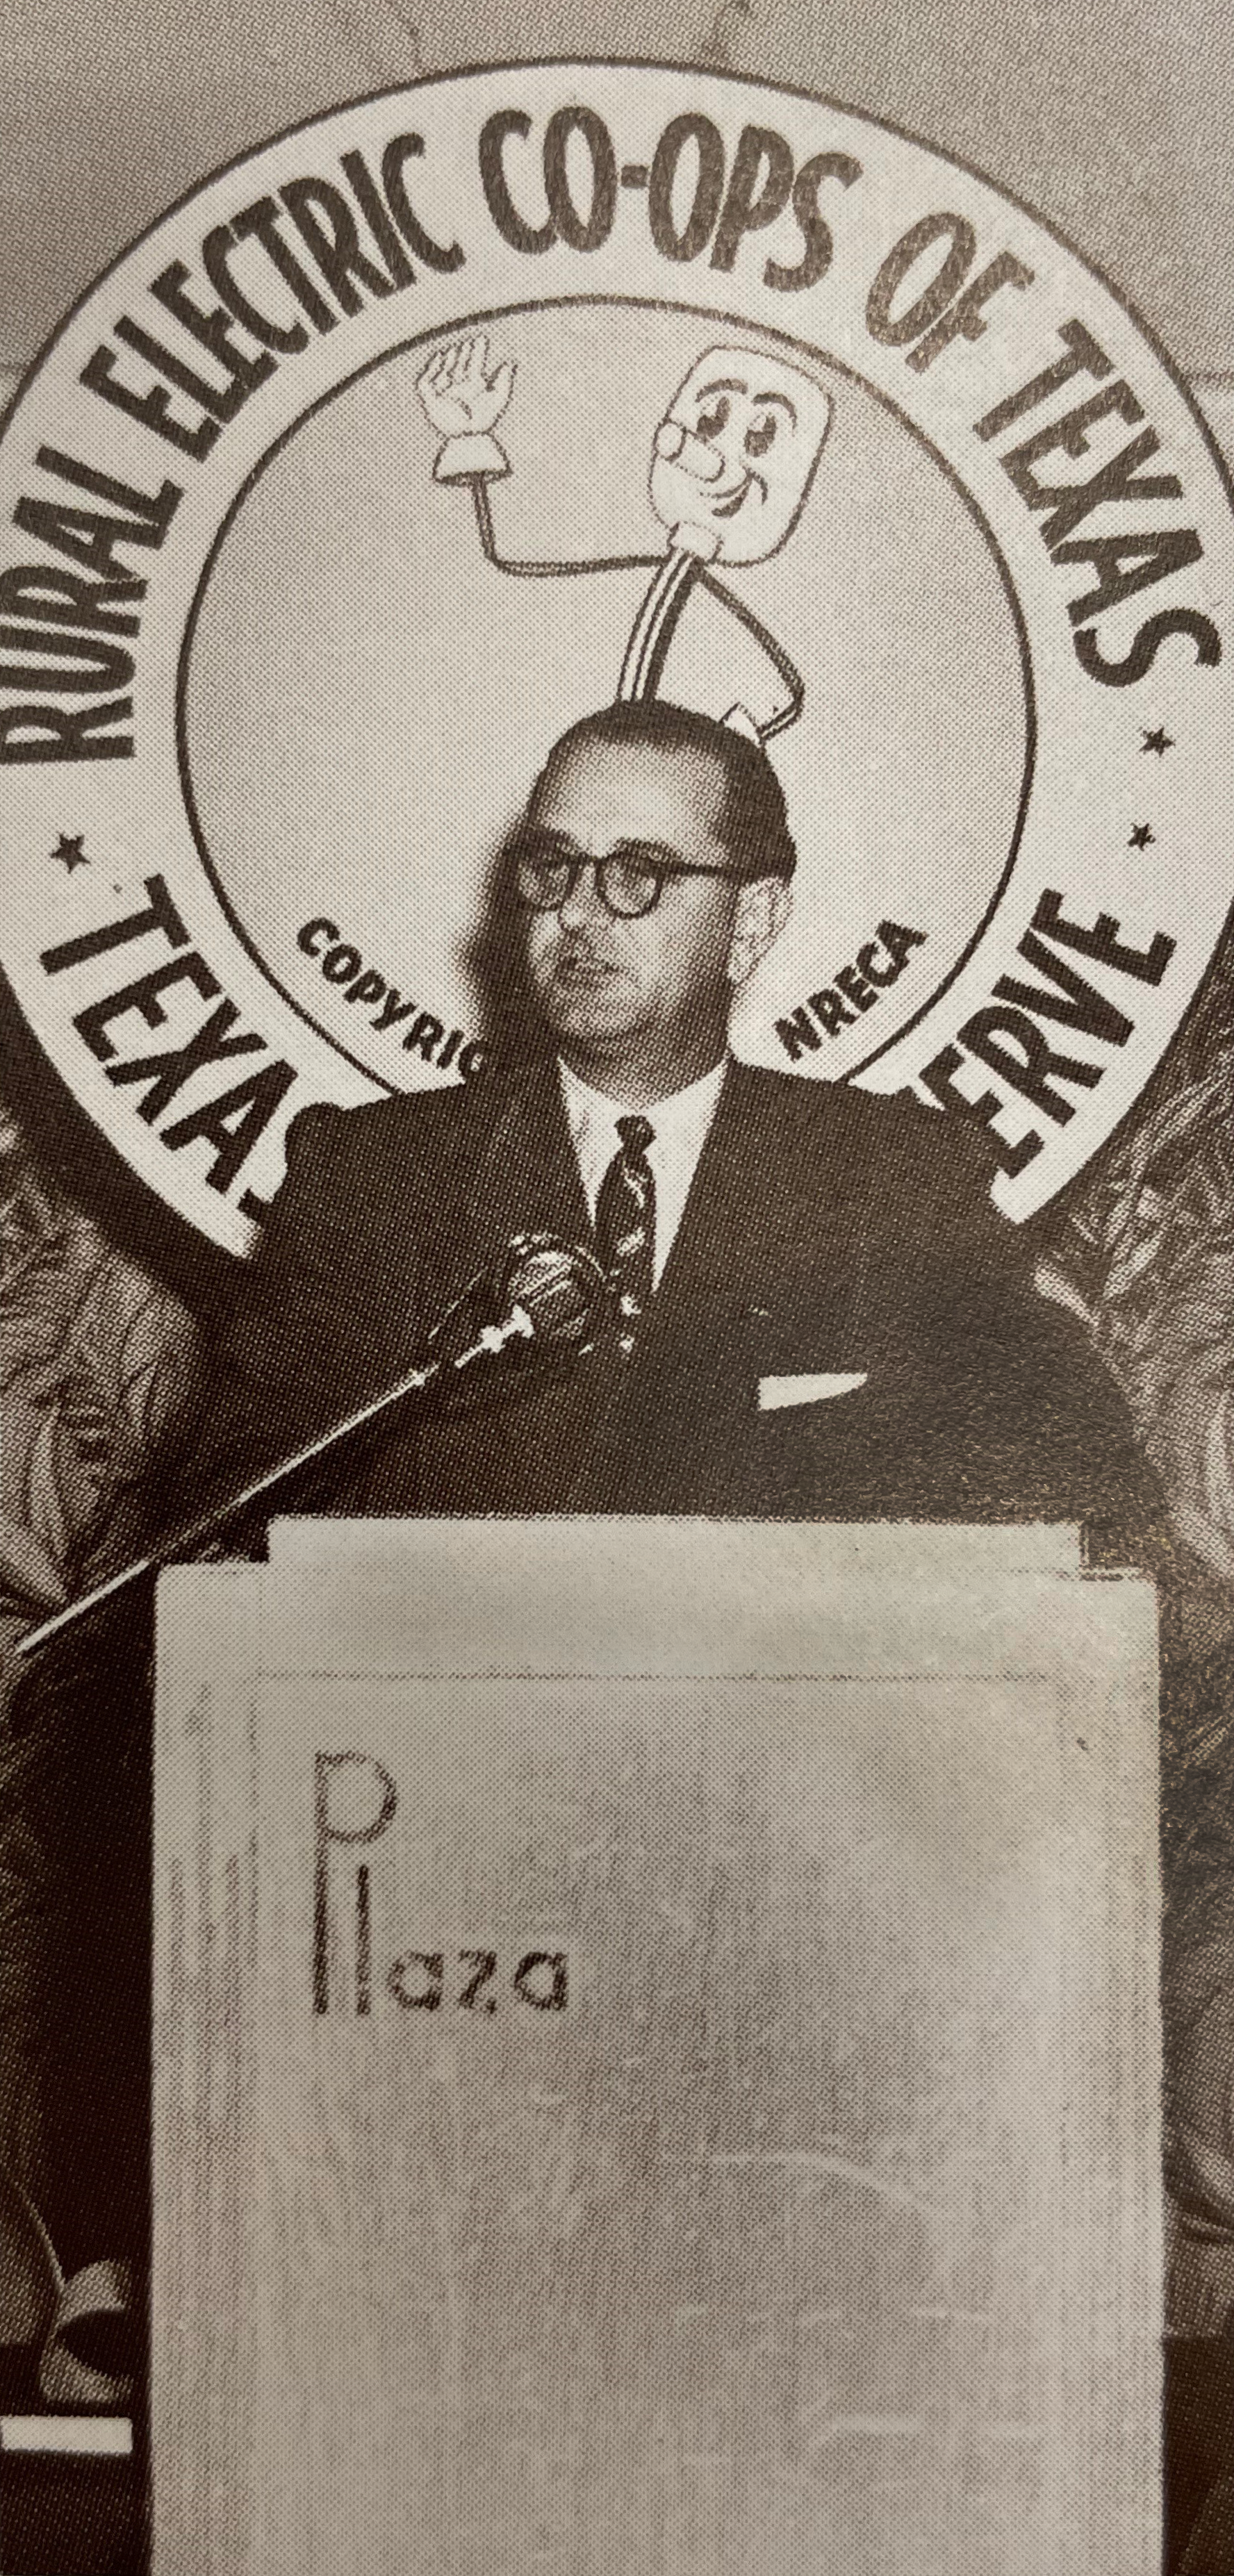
column 827, row 1231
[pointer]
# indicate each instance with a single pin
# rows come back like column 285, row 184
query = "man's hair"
column 754, row 824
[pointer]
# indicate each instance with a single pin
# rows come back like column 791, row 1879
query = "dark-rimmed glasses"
column 629, row 880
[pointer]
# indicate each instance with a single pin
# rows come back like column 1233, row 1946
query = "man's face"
column 611, row 986
column 736, row 451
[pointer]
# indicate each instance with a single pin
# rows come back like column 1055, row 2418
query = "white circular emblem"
column 458, row 413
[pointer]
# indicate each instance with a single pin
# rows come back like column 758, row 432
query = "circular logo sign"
column 462, row 412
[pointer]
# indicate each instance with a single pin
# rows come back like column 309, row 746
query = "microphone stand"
column 549, row 1294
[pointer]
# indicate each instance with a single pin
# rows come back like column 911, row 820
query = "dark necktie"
column 626, row 1225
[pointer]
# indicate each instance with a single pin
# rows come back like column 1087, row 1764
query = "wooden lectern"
column 656, row 2058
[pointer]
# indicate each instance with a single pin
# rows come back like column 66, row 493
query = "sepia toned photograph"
column 616, row 1525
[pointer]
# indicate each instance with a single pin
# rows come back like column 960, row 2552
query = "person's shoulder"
column 947, row 1157
column 911, row 1179
column 406, row 1128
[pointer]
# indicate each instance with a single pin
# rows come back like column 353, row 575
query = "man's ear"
column 763, row 907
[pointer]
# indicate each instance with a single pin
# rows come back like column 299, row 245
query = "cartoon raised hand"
column 463, row 402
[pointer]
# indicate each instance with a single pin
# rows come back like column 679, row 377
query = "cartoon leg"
column 785, row 670
column 656, row 624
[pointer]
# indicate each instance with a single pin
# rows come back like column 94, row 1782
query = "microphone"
column 559, row 1287
column 544, row 1297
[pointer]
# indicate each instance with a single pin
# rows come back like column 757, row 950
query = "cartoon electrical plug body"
column 732, row 464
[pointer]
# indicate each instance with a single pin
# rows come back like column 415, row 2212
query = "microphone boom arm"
column 542, row 1313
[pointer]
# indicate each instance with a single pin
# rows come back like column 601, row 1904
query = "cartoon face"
column 735, row 454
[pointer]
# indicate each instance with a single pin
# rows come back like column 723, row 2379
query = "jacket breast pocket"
column 790, row 1390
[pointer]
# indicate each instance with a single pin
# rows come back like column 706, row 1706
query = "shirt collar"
column 679, row 1120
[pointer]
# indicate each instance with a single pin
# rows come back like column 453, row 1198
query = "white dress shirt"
column 681, row 1123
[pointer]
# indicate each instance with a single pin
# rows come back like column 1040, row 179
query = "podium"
column 656, row 2058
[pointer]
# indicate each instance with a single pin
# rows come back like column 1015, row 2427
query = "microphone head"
column 560, row 1288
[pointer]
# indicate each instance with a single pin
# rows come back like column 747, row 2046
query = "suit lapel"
column 527, row 1179
column 716, row 1219
column 732, row 1214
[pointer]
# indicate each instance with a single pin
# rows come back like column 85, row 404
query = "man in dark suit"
column 817, row 1312
column 759, row 1230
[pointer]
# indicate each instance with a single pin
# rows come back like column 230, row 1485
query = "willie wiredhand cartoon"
column 733, row 459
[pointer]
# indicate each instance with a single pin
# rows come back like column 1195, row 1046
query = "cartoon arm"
column 784, row 669
column 463, row 403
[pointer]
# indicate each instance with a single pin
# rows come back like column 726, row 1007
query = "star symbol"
column 1160, row 741
column 1141, row 837
column 69, row 849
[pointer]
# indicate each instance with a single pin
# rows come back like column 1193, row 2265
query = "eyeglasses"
column 629, row 880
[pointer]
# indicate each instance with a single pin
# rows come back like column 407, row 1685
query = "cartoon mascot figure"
column 732, row 463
